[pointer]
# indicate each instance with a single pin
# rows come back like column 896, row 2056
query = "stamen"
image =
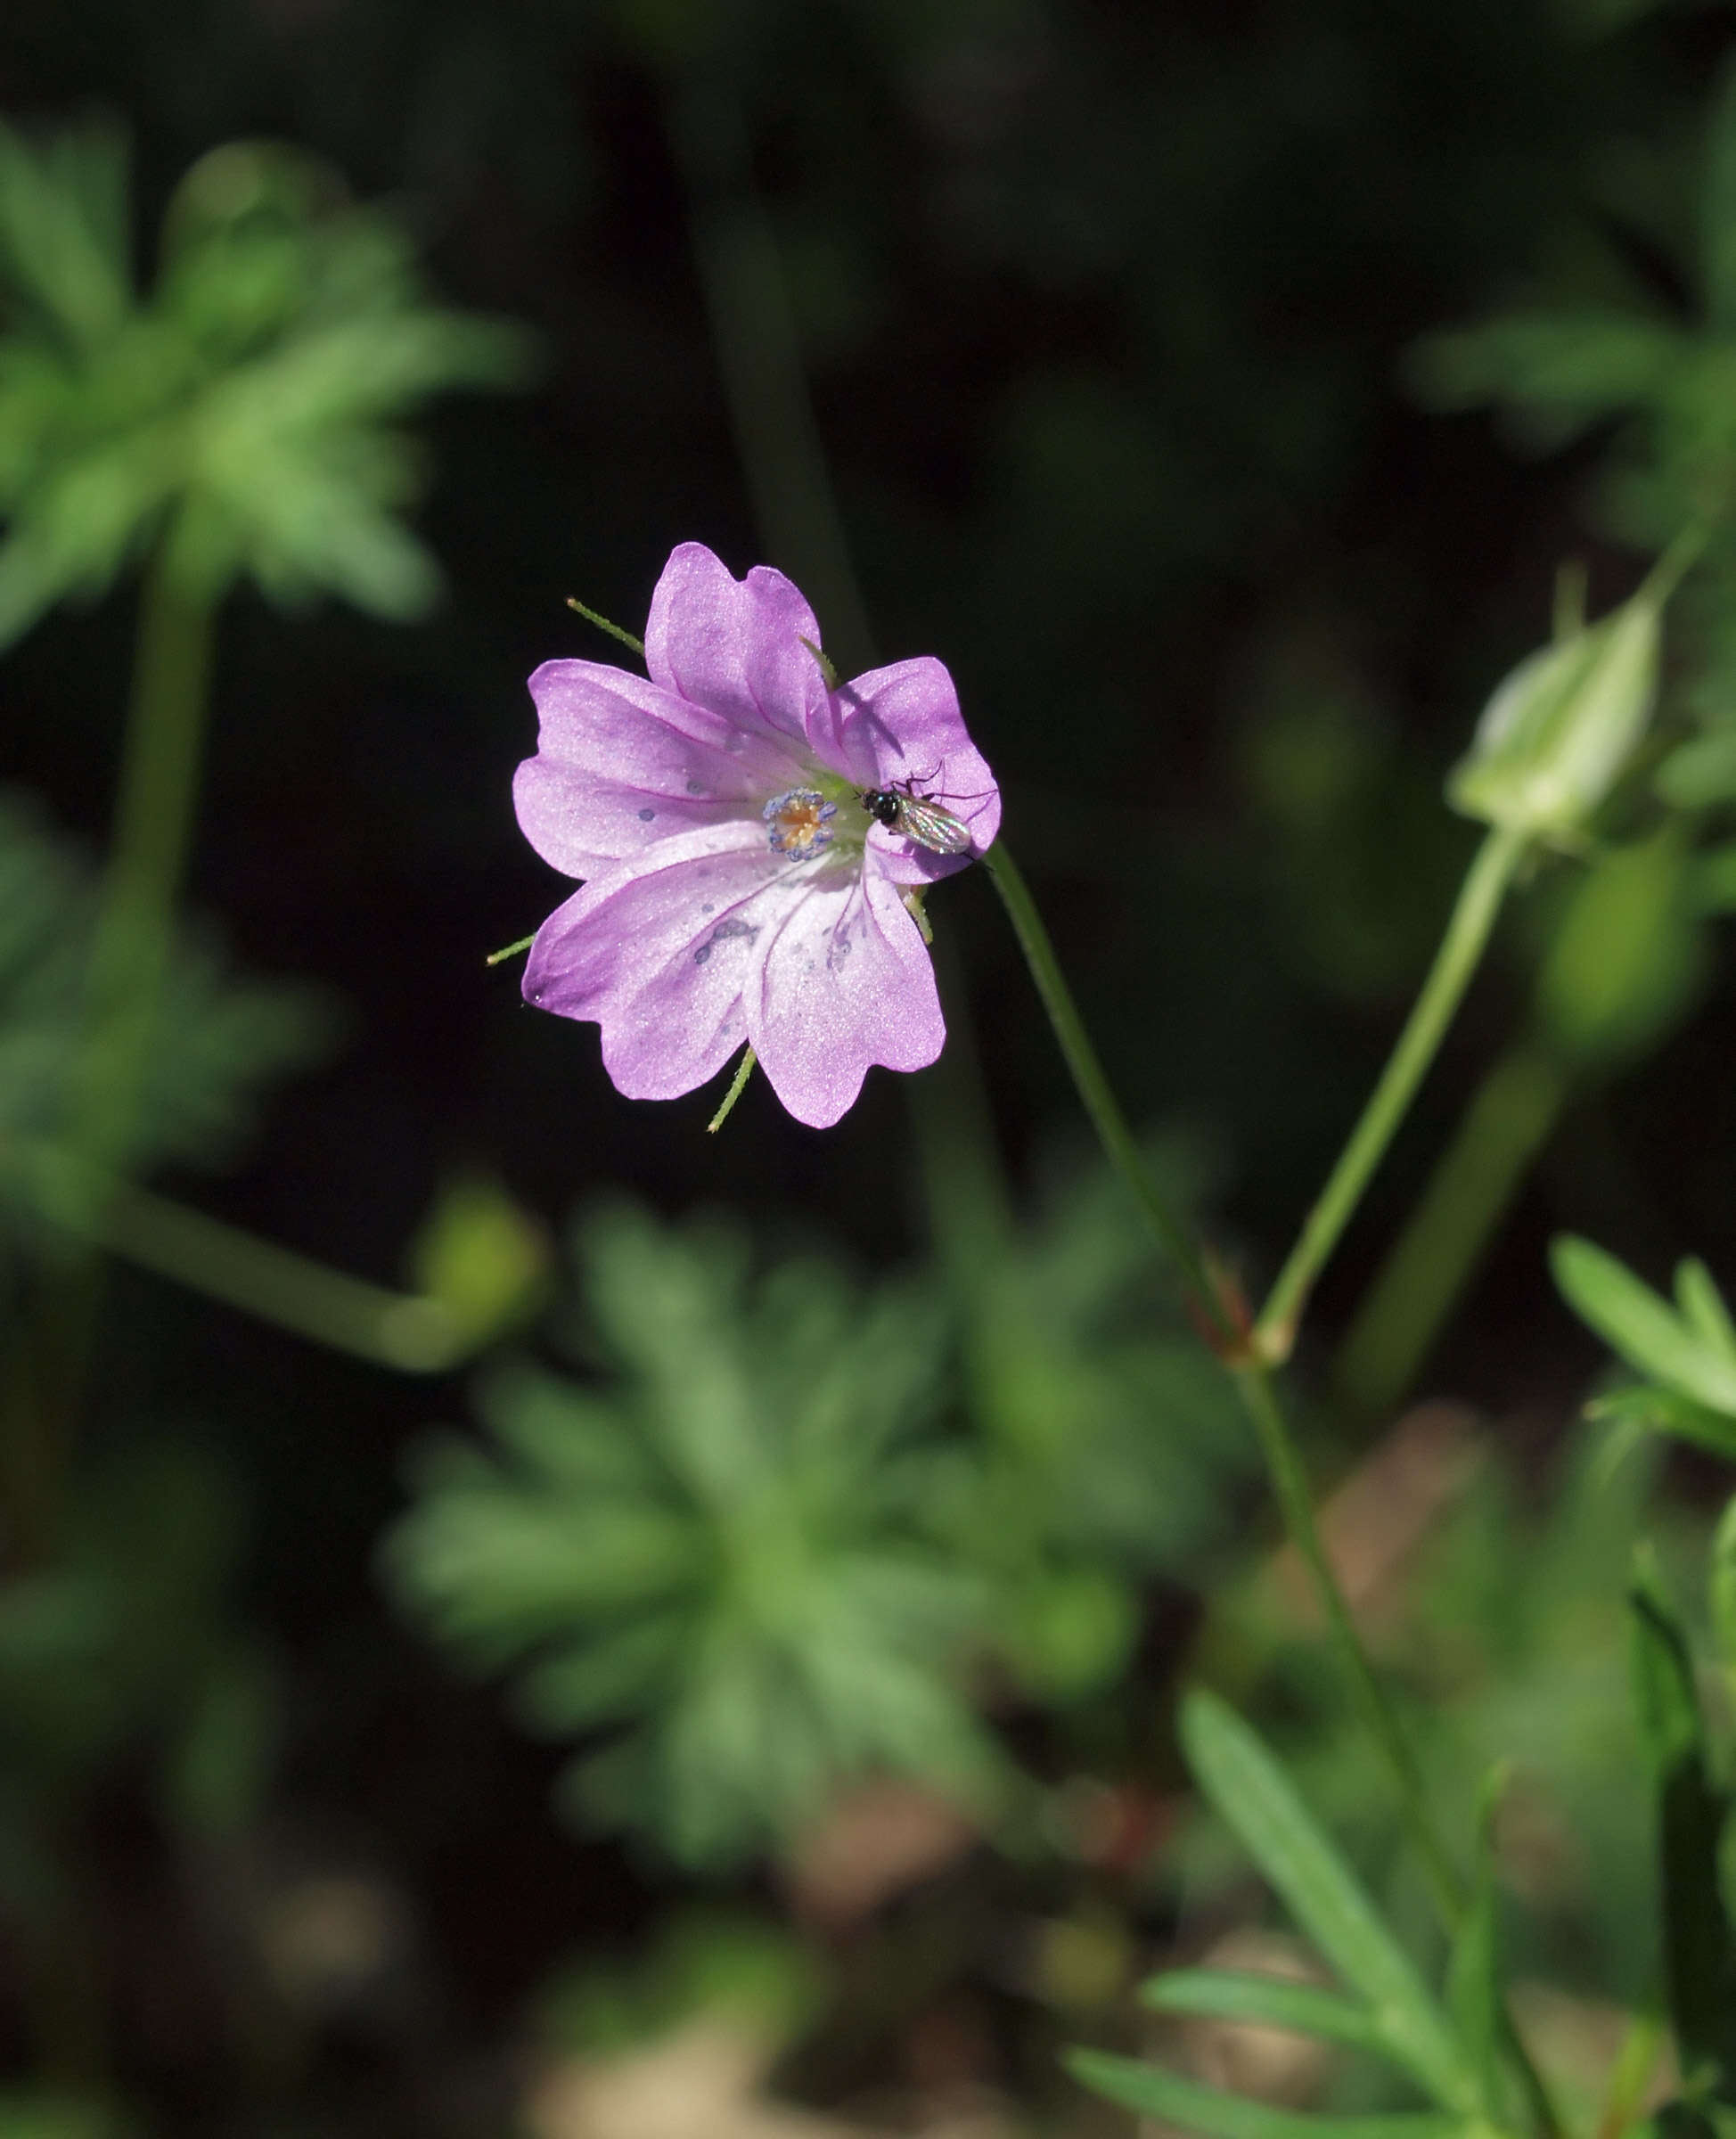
column 801, row 822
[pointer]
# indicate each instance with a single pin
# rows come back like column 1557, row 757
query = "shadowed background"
column 1101, row 315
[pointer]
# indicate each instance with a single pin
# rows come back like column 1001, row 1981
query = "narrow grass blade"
column 1266, row 2002
column 1256, row 1799
column 1699, row 1965
column 1153, row 2092
column 1473, row 1978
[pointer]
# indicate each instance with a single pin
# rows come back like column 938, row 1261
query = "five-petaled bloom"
column 741, row 884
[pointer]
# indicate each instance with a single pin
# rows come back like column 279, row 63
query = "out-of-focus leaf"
column 1473, row 1977
column 1266, row 2002
column 1254, row 1797
column 1640, row 1325
column 1681, row 2120
column 218, row 1764
column 1712, row 885
column 1721, row 1583
column 64, row 234
column 481, row 1257
column 720, row 1554
column 246, row 415
column 1648, row 1408
column 128, row 1640
column 1700, row 772
column 1109, row 1442
column 1625, row 962
column 217, row 1042
column 704, row 1967
column 1152, row 2092
column 45, row 2116
column 1699, row 1955
column 1577, row 367
column 1703, row 1308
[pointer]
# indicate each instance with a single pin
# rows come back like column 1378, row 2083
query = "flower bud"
column 1560, row 729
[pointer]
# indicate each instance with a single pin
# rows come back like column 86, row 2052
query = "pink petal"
column 733, row 645
column 902, row 729
column 621, row 763
column 656, row 950
column 843, row 982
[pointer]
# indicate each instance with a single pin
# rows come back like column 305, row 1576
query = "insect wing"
column 930, row 826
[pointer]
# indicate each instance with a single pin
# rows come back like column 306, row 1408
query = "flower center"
column 800, row 823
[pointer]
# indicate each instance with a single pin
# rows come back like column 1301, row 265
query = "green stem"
column 406, row 1331
column 1506, row 1123
column 1094, row 1091
column 1251, row 1371
column 1461, row 947
column 1289, row 1481
column 147, row 860
column 128, row 962
column 1283, row 1463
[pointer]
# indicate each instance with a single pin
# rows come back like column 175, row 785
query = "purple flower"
column 737, row 885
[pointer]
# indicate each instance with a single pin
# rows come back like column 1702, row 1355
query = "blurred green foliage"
column 1384, row 2007
column 700, row 1965
column 243, row 417
column 720, row 1558
column 120, row 1641
column 1124, row 283
column 1685, row 1349
column 1105, row 1446
column 1504, row 1643
column 1605, row 354
column 216, row 1040
column 45, row 2115
column 756, row 1558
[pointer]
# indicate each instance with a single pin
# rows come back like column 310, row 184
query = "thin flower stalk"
column 1461, row 951
column 1098, row 1098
